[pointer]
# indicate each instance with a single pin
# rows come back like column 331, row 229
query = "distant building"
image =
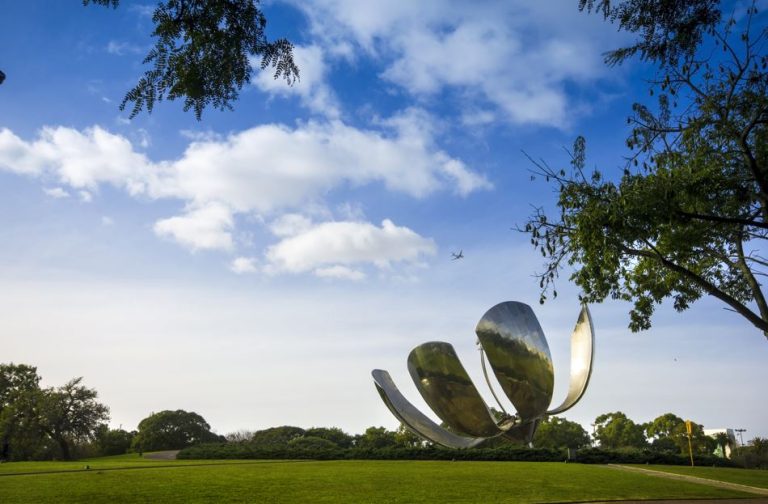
column 731, row 438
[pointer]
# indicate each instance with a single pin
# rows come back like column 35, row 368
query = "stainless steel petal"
column 519, row 355
column 582, row 356
column 522, row 432
column 446, row 387
column 415, row 420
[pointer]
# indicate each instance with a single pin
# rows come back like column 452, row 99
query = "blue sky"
column 256, row 265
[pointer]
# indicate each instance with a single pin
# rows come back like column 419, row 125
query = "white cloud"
column 18, row 156
column 262, row 169
column 107, row 221
column 290, row 225
column 206, row 228
column 311, row 88
column 323, row 246
column 56, row 192
column 81, row 160
column 341, row 272
column 261, row 173
column 515, row 55
column 121, row 48
column 85, row 196
column 241, row 265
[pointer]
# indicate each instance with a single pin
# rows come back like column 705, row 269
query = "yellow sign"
column 689, row 427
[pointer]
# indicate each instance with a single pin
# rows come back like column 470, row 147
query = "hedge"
column 506, row 453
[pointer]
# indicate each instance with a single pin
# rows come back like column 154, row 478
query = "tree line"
column 68, row 422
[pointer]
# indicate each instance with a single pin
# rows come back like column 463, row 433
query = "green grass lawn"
column 752, row 477
column 129, row 461
column 131, row 479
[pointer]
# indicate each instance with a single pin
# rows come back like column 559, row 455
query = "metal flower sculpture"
column 512, row 341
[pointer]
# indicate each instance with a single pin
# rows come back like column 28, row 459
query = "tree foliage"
column 20, row 436
column 333, row 434
column 71, row 414
column 688, row 215
column 407, row 439
column 615, row 430
column 665, row 426
column 669, row 433
column 668, row 29
column 277, row 436
column 173, row 430
column 558, row 433
column 203, row 51
column 376, row 438
column 113, row 441
column 43, row 423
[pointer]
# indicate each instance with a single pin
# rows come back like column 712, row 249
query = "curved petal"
column 446, row 387
column 519, row 355
column 522, row 432
column 582, row 356
column 414, row 419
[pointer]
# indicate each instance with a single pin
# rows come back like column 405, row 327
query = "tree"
column 723, row 443
column 664, row 426
column 669, row 433
column 689, row 214
column 20, row 434
column 113, row 441
column 665, row 433
column 173, row 430
column 332, row 434
column 669, row 29
column 239, row 436
column 615, row 430
column 407, row 439
column 203, row 52
column 760, row 446
column 277, row 436
column 556, row 432
column 70, row 414
column 376, row 437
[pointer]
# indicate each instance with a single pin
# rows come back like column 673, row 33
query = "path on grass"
column 694, row 479
column 695, row 501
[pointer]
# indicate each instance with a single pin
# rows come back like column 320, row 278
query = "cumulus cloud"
column 341, row 272
column 79, row 159
column 515, row 55
column 243, row 265
column 56, row 192
column 329, row 248
column 266, row 172
column 260, row 169
column 205, row 228
column 312, row 87
column 290, row 225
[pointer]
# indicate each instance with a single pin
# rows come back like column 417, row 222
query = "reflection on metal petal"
column 512, row 340
column 518, row 353
column 447, row 389
column 582, row 356
column 523, row 432
column 414, row 419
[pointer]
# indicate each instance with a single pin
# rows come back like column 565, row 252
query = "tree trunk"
column 64, row 447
